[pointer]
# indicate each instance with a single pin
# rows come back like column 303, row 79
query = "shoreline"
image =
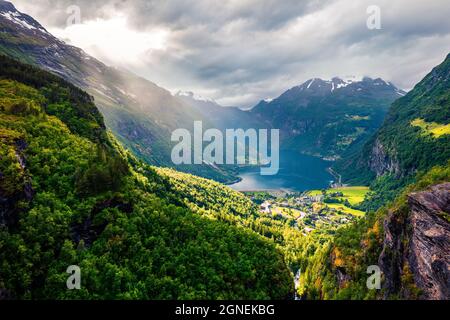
column 230, row 183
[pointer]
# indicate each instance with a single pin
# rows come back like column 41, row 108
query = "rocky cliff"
column 380, row 162
column 416, row 252
column 11, row 196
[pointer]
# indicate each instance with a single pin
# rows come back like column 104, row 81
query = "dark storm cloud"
column 179, row 14
column 240, row 51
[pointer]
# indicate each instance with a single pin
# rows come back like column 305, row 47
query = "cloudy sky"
column 241, row 51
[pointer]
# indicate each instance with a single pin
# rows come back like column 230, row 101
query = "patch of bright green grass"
column 355, row 195
column 435, row 129
column 345, row 209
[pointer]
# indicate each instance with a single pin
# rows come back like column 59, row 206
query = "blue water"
column 297, row 173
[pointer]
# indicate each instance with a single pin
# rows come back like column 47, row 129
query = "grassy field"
column 354, row 195
column 343, row 208
column 433, row 128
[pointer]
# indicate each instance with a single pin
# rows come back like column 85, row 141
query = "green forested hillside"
column 213, row 200
column 70, row 195
column 338, row 269
column 141, row 114
column 406, row 143
column 409, row 153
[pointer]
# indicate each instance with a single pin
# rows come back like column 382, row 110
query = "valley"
column 320, row 211
column 87, row 179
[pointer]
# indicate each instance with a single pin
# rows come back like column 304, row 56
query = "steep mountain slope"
column 70, row 195
column 408, row 240
column 409, row 237
column 141, row 114
column 328, row 118
column 415, row 255
column 414, row 137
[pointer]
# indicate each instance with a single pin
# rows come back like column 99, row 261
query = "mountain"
column 414, row 254
column 408, row 162
column 221, row 117
column 71, row 195
column 407, row 240
column 328, row 117
column 141, row 114
column 413, row 138
column 340, row 114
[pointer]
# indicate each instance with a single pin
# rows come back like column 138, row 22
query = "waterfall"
column 297, row 283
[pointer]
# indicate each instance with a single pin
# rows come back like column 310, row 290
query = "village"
column 312, row 210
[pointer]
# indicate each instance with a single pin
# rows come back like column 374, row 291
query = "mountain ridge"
column 403, row 145
column 140, row 113
column 326, row 118
column 71, row 195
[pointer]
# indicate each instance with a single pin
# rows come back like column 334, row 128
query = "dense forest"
column 338, row 269
column 70, row 195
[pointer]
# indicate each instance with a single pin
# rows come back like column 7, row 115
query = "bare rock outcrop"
column 380, row 162
column 417, row 247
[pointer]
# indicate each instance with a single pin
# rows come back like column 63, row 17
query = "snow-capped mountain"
column 199, row 100
column 322, row 117
column 9, row 12
column 327, row 117
column 318, row 85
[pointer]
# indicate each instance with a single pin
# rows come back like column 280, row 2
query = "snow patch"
column 16, row 18
column 343, row 85
column 310, row 83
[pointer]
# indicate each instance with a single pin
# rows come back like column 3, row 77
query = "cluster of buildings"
column 302, row 201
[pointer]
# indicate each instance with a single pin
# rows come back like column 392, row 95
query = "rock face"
column 417, row 245
column 380, row 162
column 429, row 247
column 9, row 199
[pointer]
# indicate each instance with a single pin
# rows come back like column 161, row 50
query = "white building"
column 265, row 207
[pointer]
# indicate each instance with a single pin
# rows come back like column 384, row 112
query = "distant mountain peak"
column 6, row 6
column 10, row 13
column 322, row 86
